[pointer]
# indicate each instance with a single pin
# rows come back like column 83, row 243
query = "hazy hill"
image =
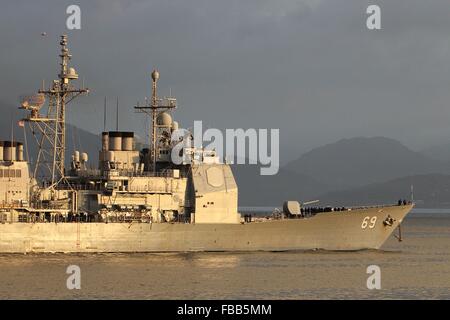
column 430, row 190
column 361, row 161
column 439, row 152
column 257, row 190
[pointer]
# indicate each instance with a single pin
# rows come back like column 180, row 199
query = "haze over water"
column 418, row 267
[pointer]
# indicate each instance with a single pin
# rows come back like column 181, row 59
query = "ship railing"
column 75, row 186
column 349, row 208
column 66, row 217
column 315, row 210
column 89, row 173
column 13, row 204
column 95, row 173
column 163, row 174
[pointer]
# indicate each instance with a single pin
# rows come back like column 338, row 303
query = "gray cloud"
column 310, row 68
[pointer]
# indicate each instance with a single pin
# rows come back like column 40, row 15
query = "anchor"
column 399, row 236
column 389, row 221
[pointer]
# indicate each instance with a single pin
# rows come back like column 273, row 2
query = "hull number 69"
column 369, row 222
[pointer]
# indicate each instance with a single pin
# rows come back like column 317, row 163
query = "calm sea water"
column 417, row 268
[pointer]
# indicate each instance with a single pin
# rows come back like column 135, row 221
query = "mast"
column 153, row 110
column 104, row 116
column 117, row 114
column 52, row 127
column 155, row 78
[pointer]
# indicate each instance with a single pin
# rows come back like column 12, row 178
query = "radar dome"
column 175, row 125
column 155, row 75
column 72, row 74
column 164, row 119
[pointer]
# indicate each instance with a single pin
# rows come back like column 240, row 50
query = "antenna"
column 26, row 142
column 154, row 106
column 12, row 129
column 104, row 116
column 32, row 102
column 117, row 114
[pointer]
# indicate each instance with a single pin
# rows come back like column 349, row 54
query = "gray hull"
column 347, row 230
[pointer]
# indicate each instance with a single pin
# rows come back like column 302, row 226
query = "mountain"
column 257, row 190
column 430, row 190
column 439, row 152
column 360, row 161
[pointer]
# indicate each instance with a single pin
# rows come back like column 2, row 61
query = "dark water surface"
column 418, row 267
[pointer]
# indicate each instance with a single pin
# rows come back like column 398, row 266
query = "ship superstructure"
column 14, row 176
column 129, row 184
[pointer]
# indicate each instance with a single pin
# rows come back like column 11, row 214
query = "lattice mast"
column 153, row 109
column 50, row 130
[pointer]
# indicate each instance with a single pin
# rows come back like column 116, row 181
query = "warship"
column 141, row 201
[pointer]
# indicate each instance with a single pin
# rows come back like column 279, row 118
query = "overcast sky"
column 310, row 68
